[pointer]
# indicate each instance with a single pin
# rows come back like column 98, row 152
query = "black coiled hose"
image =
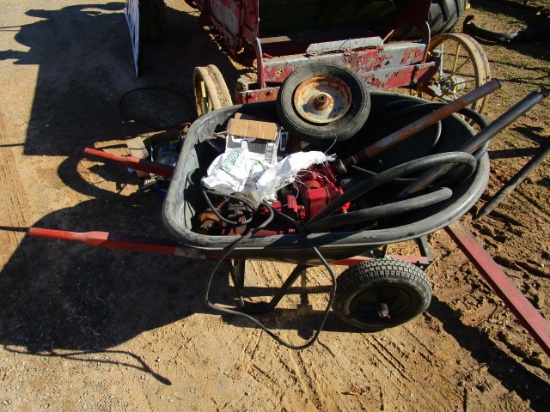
column 387, row 176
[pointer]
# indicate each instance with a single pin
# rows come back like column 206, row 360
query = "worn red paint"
column 529, row 317
column 254, row 96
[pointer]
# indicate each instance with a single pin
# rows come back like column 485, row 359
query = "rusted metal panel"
column 254, row 96
column 375, row 80
column 362, row 62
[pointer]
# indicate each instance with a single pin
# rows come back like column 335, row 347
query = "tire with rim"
column 381, row 293
column 445, row 14
column 210, row 90
column 464, row 67
column 322, row 101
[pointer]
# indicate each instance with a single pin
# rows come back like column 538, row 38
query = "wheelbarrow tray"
column 184, row 198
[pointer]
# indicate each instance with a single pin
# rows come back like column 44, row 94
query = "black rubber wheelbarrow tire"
column 381, row 293
column 352, row 116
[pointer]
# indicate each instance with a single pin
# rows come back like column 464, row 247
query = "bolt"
column 383, row 311
column 321, row 101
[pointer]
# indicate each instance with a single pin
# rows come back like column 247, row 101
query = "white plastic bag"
column 284, row 173
column 237, row 171
column 234, row 171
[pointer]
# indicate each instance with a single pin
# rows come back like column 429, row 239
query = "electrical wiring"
column 227, row 251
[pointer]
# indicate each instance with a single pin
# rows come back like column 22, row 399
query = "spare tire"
column 323, row 101
column 445, row 14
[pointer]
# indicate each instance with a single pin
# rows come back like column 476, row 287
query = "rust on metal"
column 363, row 62
column 417, row 126
column 529, row 317
column 256, row 95
column 322, row 99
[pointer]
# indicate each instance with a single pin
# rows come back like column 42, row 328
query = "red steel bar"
column 529, row 317
column 118, row 241
column 134, row 162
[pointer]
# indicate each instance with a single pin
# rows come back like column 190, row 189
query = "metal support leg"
column 264, row 307
column 515, row 181
column 529, row 317
column 236, row 269
column 426, row 251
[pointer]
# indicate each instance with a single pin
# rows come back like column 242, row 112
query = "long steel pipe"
column 516, row 180
column 477, row 141
column 417, row 126
column 134, row 162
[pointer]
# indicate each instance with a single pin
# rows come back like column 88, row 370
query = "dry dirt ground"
column 94, row 329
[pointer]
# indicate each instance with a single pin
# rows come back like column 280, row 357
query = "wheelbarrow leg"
column 265, row 307
column 236, row 269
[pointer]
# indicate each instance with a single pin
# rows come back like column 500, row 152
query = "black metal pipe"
column 477, row 141
column 417, row 126
column 515, row 181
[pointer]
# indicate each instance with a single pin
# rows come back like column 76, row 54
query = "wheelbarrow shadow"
column 72, row 300
column 64, row 295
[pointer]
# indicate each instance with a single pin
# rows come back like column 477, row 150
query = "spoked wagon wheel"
column 464, row 66
column 381, row 293
column 210, row 90
column 323, row 101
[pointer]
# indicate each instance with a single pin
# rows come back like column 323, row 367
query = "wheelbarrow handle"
column 118, row 241
column 134, row 162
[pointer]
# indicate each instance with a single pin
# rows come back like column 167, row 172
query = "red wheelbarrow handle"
column 119, row 241
column 134, row 163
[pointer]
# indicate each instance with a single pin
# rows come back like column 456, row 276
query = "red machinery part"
column 317, row 189
column 529, row 317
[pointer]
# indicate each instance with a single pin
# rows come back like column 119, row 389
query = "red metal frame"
column 363, row 50
column 529, row 317
column 134, row 162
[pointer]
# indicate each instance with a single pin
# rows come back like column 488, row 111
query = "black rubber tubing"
column 476, row 117
column 387, row 210
column 387, row 175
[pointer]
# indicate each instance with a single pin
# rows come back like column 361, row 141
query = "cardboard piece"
column 253, row 129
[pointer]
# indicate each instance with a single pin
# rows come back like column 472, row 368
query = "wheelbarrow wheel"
column 464, row 67
column 210, row 90
column 323, row 102
column 381, row 293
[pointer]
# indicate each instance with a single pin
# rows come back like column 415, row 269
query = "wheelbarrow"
column 373, row 294
column 376, row 291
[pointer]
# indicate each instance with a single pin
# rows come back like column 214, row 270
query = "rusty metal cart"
column 388, row 43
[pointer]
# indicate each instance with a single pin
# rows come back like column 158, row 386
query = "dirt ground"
column 83, row 328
